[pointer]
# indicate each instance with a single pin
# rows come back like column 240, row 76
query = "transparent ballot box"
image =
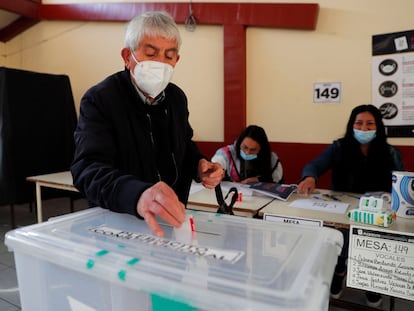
column 100, row 260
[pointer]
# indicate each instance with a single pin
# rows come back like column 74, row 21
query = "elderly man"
column 134, row 149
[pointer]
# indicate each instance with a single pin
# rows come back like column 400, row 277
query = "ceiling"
column 16, row 16
column 6, row 18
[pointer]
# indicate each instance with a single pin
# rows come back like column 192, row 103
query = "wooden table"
column 200, row 199
column 60, row 180
column 279, row 207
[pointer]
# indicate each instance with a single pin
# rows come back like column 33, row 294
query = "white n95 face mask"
column 152, row 77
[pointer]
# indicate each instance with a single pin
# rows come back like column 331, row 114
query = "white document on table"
column 196, row 188
column 320, row 205
column 225, row 187
column 241, row 188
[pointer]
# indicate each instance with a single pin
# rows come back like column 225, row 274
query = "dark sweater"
column 354, row 172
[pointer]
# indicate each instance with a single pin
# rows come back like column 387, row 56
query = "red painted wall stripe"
column 280, row 15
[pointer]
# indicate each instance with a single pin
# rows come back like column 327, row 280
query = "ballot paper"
column 320, row 205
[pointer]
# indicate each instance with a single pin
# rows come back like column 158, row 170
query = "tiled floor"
column 9, row 293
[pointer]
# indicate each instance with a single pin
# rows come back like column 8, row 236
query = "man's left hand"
column 210, row 173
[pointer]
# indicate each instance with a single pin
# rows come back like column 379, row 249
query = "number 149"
column 327, row 92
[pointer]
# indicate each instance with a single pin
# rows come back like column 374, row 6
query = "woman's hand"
column 307, row 185
column 250, row 179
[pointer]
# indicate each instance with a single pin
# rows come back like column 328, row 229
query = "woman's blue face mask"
column 248, row 157
column 364, row 137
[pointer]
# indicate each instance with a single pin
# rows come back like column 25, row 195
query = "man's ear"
column 126, row 56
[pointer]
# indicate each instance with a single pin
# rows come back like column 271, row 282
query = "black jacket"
column 124, row 146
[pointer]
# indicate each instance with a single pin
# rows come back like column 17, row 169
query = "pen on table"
column 318, row 198
column 353, row 196
column 331, row 197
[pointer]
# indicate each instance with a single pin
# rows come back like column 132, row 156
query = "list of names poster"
column 381, row 261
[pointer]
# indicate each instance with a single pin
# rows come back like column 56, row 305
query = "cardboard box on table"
column 100, row 260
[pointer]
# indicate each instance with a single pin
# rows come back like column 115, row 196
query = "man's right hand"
column 161, row 200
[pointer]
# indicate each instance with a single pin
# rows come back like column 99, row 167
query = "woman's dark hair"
column 380, row 137
column 378, row 160
column 262, row 163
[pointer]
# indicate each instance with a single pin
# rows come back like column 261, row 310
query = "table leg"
column 12, row 216
column 72, row 208
column 392, row 303
column 39, row 203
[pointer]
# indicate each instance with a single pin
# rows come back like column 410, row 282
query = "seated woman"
column 250, row 158
column 361, row 161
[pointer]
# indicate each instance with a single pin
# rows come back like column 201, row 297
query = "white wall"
column 282, row 65
column 89, row 51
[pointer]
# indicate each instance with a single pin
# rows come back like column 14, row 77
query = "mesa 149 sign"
column 327, row 92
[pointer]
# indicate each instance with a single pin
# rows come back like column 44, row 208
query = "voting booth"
column 37, row 121
column 100, row 260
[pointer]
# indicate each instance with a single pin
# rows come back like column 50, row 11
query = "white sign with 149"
column 327, row 92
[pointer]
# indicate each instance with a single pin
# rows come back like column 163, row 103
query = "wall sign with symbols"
column 393, row 81
column 381, row 261
column 327, row 92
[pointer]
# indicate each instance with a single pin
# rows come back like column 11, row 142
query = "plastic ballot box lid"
column 100, row 260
